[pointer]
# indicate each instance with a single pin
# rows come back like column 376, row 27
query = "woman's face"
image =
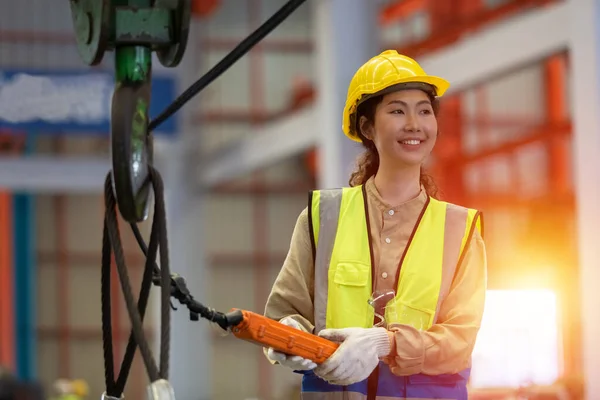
column 405, row 128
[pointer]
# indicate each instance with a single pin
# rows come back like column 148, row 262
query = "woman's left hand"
column 357, row 356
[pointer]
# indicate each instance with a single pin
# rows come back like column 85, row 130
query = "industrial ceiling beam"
column 271, row 143
column 46, row 174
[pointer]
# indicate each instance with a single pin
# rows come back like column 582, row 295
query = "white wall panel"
column 232, row 89
column 520, row 93
column 233, row 287
column 229, row 228
column 46, row 233
column 41, row 21
column 297, row 26
column 532, row 162
column 498, row 174
column 82, row 351
column 216, row 136
column 283, row 212
column 229, row 21
column 515, row 103
column 410, row 30
column 84, row 223
column 286, row 386
column 47, row 362
column 32, row 15
column 39, row 56
column 279, row 72
column 235, row 370
column 47, row 295
column 84, row 287
column 518, row 96
column 289, row 170
column 234, row 357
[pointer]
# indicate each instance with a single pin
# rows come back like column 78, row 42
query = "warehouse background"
column 239, row 159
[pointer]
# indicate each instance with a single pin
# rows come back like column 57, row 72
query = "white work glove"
column 357, row 356
column 296, row 363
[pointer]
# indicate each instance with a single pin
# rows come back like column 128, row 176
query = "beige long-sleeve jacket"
column 447, row 346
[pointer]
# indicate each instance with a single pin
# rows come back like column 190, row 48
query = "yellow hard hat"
column 381, row 72
column 80, row 387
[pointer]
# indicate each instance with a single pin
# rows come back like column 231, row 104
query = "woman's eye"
column 426, row 112
column 397, row 112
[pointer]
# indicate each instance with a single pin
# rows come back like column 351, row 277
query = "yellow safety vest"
column 343, row 261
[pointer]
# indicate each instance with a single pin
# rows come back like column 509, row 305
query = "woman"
column 394, row 275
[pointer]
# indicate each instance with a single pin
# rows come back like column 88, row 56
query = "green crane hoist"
column 133, row 29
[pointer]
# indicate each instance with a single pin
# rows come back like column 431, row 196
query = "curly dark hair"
column 367, row 163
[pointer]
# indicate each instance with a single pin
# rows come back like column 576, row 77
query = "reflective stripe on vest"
column 343, row 267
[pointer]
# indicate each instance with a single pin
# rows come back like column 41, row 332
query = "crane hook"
column 133, row 29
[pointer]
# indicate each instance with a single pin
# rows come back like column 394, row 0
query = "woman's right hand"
column 296, row 363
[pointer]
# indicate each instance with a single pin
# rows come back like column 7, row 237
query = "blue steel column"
column 191, row 354
column 25, row 281
column 345, row 37
column 585, row 81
